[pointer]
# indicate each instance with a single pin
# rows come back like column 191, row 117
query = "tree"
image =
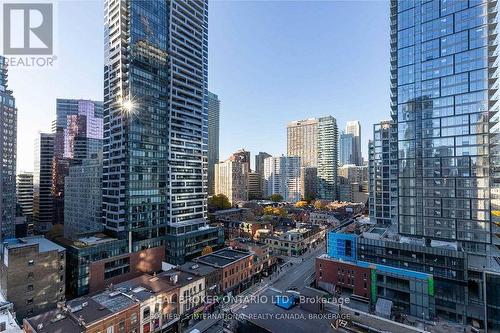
column 276, row 197
column 301, row 204
column 206, row 250
column 276, row 211
column 320, row 204
column 218, row 202
column 268, row 210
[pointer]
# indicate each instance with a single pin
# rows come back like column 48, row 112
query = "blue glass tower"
column 443, row 80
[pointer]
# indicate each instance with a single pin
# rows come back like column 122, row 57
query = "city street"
column 297, row 274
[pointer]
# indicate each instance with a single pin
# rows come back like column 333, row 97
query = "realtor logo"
column 28, row 29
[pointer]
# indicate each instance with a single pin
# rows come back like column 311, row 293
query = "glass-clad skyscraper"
column 444, row 101
column 8, row 153
column 213, row 138
column 156, row 125
column 77, row 135
column 346, row 149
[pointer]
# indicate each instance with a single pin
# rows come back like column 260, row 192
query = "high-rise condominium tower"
column 231, row 179
column 8, row 152
column 282, row 176
column 302, row 141
column 382, row 174
column 43, row 201
column 259, row 162
column 315, row 141
column 24, row 192
column 213, row 138
column 156, row 124
column 354, row 128
column 444, row 102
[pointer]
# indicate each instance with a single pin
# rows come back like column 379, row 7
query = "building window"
column 30, row 287
column 145, row 312
column 133, row 318
column 110, row 329
column 31, row 262
column 121, row 326
column 29, row 301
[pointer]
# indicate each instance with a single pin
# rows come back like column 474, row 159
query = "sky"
column 270, row 62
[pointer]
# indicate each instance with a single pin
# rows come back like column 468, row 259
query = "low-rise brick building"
column 337, row 276
column 32, row 274
column 264, row 259
column 235, row 266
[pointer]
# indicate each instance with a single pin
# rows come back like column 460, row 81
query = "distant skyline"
column 270, row 62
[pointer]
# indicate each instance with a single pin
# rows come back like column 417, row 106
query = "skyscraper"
column 442, row 104
column 346, row 149
column 43, row 201
column 309, row 180
column 77, row 132
column 315, row 141
column 83, row 198
column 156, row 125
column 282, row 176
column 24, row 192
column 8, row 151
column 213, row 138
column 243, row 156
column 259, row 162
column 327, row 158
column 231, row 179
column 302, row 141
column 354, row 127
column 382, row 174
column 254, row 186
column 444, row 101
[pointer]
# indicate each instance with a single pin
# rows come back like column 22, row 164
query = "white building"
column 282, row 176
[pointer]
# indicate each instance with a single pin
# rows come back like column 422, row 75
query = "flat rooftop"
column 196, row 268
column 113, row 300
column 90, row 309
column 229, row 211
column 6, row 309
column 145, row 286
column 87, row 241
column 183, row 278
column 44, row 245
column 249, row 241
column 223, row 257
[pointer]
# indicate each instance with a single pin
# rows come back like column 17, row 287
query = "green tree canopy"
column 276, row 197
column 218, row 202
